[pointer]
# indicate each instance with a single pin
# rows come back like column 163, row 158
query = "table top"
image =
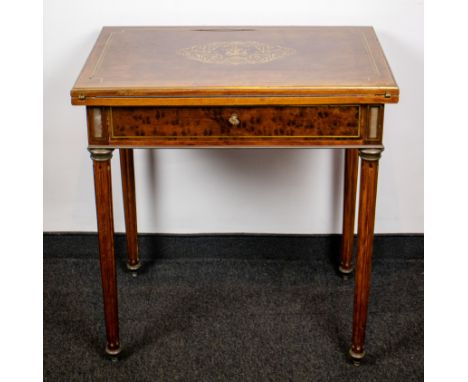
column 158, row 62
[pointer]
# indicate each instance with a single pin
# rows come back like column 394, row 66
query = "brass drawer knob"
column 234, row 119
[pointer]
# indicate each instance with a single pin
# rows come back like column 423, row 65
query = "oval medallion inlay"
column 236, row 52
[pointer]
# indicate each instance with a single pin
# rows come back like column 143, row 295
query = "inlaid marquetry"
column 236, row 52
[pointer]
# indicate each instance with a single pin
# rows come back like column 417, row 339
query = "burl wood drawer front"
column 174, row 123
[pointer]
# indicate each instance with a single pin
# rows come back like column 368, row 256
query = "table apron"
column 228, row 126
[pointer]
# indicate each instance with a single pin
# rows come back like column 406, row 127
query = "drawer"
column 321, row 121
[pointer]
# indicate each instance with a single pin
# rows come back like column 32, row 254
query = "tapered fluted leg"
column 349, row 208
column 367, row 200
column 129, row 202
column 105, row 222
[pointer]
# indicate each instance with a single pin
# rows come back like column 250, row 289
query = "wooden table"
column 236, row 87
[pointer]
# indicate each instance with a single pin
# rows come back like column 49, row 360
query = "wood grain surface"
column 349, row 210
column 105, row 222
column 158, row 62
column 320, row 121
column 366, row 220
column 127, row 172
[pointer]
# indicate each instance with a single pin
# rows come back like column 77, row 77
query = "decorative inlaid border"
column 369, row 53
column 101, row 56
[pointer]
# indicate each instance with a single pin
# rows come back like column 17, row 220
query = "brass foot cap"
column 134, row 267
column 356, row 357
column 345, row 272
column 113, row 353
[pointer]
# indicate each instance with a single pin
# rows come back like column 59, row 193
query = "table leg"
column 105, row 222
column 129, row 202
column 367, row 200
column 349, row 208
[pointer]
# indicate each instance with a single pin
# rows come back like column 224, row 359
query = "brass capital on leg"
column 371, row 154
column 100, row 154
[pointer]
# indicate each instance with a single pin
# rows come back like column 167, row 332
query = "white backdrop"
column 265, row 191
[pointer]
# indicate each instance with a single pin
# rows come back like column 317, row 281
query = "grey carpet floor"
column 232, row 308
